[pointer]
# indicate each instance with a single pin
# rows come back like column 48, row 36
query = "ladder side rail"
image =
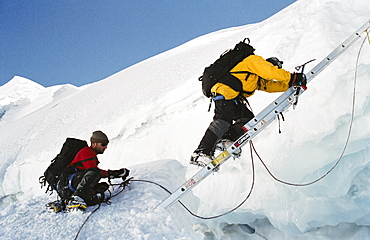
column 337, row 52
column 186, row 187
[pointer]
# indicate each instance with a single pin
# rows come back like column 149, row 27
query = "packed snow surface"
column 155, row 115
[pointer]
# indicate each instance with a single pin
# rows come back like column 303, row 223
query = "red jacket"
column 88, row 159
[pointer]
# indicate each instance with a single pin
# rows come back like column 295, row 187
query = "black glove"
column 123, row 173
column 297, row 80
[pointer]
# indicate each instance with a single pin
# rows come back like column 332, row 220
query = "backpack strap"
column 245, row 79
column 79, row 163
column 241, row 72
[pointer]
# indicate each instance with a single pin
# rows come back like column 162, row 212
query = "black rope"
column 121, row 185
column 147, row 181
column 83, row 224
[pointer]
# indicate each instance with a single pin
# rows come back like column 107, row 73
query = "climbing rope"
column 252, row 149
column 346, row 142
column 121, row 185
column 83, row 224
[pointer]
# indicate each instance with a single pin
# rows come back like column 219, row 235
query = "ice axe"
column 298, row 88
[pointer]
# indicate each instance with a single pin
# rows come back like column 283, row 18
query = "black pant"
column 84, row 181
column 234, row 113
column 85, row 184
column 230, row 116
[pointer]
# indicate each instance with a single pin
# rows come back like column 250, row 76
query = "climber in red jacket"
column 85, row 182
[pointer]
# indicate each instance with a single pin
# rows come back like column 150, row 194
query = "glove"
column 123, row 173
column 297, row 80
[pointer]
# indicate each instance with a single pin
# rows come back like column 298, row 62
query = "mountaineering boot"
column 202, row 155
column 224, row 144
column 96, row 195
column 56, row 206
column 200, row 159
column 76, row 203
column 97, row 198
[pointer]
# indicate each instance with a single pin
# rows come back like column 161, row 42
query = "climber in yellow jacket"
column 257, row 74
column 231, row 112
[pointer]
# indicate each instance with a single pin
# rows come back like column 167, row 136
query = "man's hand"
column 297, row 80
column 122, row 173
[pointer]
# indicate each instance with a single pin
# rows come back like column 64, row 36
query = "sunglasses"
column 104, row 144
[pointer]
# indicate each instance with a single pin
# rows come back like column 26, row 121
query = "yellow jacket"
column 263, row 76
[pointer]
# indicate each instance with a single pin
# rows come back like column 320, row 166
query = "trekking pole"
column 298, row 88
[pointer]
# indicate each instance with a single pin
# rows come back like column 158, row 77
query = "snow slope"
column 155, row 115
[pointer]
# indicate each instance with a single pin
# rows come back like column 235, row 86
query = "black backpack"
column 219, row 71
column 59, row 164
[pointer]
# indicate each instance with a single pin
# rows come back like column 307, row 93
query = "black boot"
column 203, row 154
column 216, row 129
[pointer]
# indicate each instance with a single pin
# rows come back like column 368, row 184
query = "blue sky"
column 79, row 42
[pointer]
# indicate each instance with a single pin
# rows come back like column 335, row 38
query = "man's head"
column 99, row 142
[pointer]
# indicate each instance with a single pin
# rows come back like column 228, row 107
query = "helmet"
column 275, row 61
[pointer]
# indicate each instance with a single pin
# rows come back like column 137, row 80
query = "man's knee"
column 87, row 178
column 95, row 172
column 219, row 127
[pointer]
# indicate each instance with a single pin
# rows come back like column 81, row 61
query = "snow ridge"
column 154, row 114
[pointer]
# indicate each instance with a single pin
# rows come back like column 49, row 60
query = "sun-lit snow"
column 155, row 115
